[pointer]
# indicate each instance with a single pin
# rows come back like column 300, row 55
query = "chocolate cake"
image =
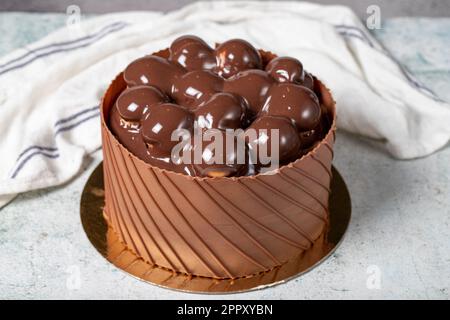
column 236, row 217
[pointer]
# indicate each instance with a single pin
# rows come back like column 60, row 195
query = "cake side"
column 222, row 228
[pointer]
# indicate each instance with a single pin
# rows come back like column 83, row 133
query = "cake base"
column 107, row 243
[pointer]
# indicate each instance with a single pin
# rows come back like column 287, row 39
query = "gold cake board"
column 107, row 243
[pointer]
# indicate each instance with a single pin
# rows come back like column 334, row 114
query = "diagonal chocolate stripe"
column 135, row 191
column 126, row 199
column 180, row 213
column 298, row 185
column 202, row 261
column 293, row 201
column 253, row 194
column 125, row 234
column 319, row 161
column 310, row 177
column 257, row 223
column 246, row 233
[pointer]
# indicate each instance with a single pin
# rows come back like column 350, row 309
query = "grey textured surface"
column 400, row 224
column 389, row 8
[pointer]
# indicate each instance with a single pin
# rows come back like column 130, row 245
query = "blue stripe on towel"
column 51, row 152
column 60, row 47
column 355, row 32
column 20, row 166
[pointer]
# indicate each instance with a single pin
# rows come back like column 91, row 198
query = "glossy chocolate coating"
column 223, row 111
column 131, row 138
column 128, row 133
column 196, row 87
column 308, row 138
column 236, row 55
column 308, row 81
column 192, row 53
column 215, row 161
column 288, row 139
column 187, row 88
column 134, row 102
column 252, row 85
column 286, row 69
column 296, row 102
column 161, row 121
column 154, row 71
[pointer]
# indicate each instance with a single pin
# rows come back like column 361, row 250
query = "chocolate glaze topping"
column 135, row 102
column 295, row 102
column 308, row 81
column 252, row 85
column 289, row 140
column 161, row 121
column 192, row 53
column 222, row 111
column 228, row 164
column 196, row 87
column 153, row 71
column 229, row 87
column 236, row 55
column 286, row 69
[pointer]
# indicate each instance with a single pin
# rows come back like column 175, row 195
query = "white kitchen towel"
column 50, row 90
